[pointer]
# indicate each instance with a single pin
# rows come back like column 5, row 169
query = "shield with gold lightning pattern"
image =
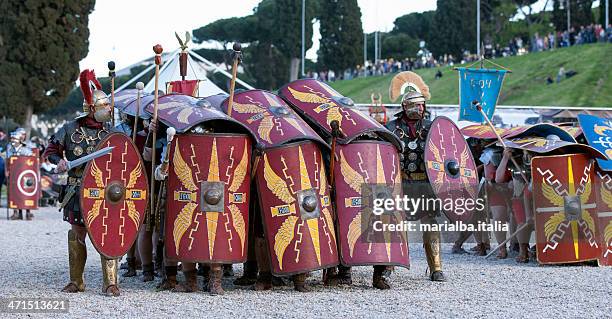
column 603, row 189
column 114, row 196
column 365, row 167
column 321, row 105
column 451, row 169
column 207, row 206
column 296, row 208
column 565, row 208
column 269, row 118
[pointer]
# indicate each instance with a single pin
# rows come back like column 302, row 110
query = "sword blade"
column 89, row 157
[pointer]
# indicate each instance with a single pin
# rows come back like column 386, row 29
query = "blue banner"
column 482, row 86
column 598, row 133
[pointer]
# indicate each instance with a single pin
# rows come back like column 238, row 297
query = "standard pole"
column 568, row 17
column 607, row 15
column 365, row 49
column 303, row 33
column 478, row 28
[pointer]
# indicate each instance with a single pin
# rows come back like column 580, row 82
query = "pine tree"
column 41, row 44
column 341, row 35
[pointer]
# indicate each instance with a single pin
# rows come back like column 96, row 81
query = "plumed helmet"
column 412, row 97
column 94, row 99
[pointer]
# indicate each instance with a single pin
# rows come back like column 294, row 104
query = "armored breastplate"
column 80, row 142
column 413, row 161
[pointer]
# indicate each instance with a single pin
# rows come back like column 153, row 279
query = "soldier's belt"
column 414, row 176
column 74, row 181
column 71, row 190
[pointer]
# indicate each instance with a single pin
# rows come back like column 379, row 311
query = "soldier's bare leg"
column 431, row 243
column 264, row 278
column 299, row 282
column 191, row 278
column 131, row 261
column 145, row 249
column 169, row 281
column 249, row 273
column 378, row 278
column 500, row 214
column 214, row 279
column 514, row 245
column 525, row 235
column 458, row 245
column 77, row 255
column 15, row 215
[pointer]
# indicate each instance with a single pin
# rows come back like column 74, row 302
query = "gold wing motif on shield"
column 439, row 181
column 283, row 238
column 265, row 128
column 351, row 176
column 354, row 232
column 551, row 225
column 246, row 108
column 307, row 97
column 182, row 170
column 276, row 184
column 464, row 179
column 240, row 171
column 182, row 222
column 239, row 225
column 134, row 175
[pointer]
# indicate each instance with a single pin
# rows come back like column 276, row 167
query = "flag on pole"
column 478, row 86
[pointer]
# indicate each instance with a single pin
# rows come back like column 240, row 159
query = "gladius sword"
column 79, row 161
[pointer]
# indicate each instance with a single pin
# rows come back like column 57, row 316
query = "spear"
column 237, row 57
column 139, row 87
column 158, row 61
column 111, row 74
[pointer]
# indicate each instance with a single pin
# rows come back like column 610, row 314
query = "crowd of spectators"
column 517, row 46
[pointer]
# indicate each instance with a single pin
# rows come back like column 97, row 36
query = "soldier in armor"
column 522, row 200
column 215, row 272
column 18, row 147
column 411, row 126
column 75, row 139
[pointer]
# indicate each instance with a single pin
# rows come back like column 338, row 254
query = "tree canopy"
column 41, row 44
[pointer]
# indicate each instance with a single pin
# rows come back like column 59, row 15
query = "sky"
column 125, row 31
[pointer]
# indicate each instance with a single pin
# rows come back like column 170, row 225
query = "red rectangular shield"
column 296, row 209
column 604, row 215
column 207, row 212
column 370, row 162
column 565, row 208
column 23, row 182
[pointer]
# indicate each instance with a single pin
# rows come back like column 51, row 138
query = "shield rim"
column 265, row 227
column 471, row 157
column 81, row 190
column 535, row 225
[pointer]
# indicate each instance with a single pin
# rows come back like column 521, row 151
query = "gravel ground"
column 35, row 264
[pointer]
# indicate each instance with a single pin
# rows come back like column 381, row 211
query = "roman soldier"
column 18, row 147
column 206, row 214
column 364, row 153
column 72, row 141
column 411, row 125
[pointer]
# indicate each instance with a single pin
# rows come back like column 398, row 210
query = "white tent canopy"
column 196, row 70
